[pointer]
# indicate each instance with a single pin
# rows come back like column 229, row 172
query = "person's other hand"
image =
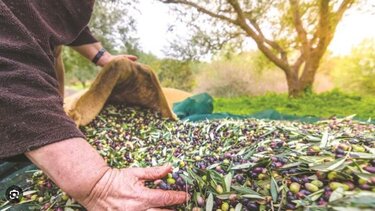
column 123, row 189
column 107, row 57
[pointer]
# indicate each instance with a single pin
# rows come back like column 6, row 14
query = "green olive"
column 311, row 187
column 295, row 187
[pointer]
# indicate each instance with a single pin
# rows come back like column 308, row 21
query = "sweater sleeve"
column 85, row 37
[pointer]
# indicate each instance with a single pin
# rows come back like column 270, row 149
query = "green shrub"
column 355, row 73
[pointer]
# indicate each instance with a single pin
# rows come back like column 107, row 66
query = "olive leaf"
column 228, row 181
column 365, row 176
column 362, row 155
column 360, row 200
column 195, row 176
column 313, row 138
column 223, row 196
column 243, row 166
column 252, row 196
column 371, row 150
column 290, row 165
column 213, row 166
column 337, row 194
column 187, row 179
column 244, row 190
column 216, row 177
column 315, row 196
column 330, row 166
column 324, row 140
column 210, row 203
column 339, row 208
column 274, row 189
column 238, row 207
column 249, row 154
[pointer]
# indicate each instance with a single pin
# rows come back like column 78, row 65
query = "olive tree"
column 292, row 34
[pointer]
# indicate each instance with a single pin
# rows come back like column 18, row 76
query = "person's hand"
column 78, row 169
column 107, row 57
column 90, row 50
column 124, row 190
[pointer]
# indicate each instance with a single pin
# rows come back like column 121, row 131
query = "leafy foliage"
column 356, row 72
column 176, row 74
column 113, row 24
column 78, row 69
column 173, row 73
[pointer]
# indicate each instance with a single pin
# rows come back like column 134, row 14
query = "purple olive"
column 175, row 175
column 322, row 202
column 280, row 144
column 370, row 169
column 252, row 206
column 164, row 186
column 365, row 187
column 257, row 170
column 295, row 179
column 278, row 164
column 340, row 151
column 261, row 149
column 200, row 201
column 305, row 179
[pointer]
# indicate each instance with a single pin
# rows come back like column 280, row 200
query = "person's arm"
column 88, row 46
column 81, row 172
column 90, row 50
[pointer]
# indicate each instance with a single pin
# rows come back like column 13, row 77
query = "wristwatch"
column 98, row 55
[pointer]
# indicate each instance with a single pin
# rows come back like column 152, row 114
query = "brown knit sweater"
column 31, row 109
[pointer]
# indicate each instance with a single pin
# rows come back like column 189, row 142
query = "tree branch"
column 324, row 26
column 301, row 32
column 242, row 23
column 297, row 65
column 328, row 23
column 200, row 9
column 271, row 43
column 346, row 4
column 259, row 38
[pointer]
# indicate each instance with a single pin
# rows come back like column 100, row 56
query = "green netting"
column 200, row 107
column 200, row 104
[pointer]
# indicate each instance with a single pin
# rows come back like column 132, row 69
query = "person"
column 33, row 122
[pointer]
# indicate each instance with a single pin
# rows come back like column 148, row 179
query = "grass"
column 323, row 105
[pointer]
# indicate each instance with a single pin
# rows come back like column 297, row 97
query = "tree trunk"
column 298, row 86
column 293, row 85
column 307, row 78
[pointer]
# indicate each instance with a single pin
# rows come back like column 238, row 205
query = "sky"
column 155, row 19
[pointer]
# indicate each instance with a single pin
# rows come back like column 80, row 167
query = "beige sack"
column 121, row 82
